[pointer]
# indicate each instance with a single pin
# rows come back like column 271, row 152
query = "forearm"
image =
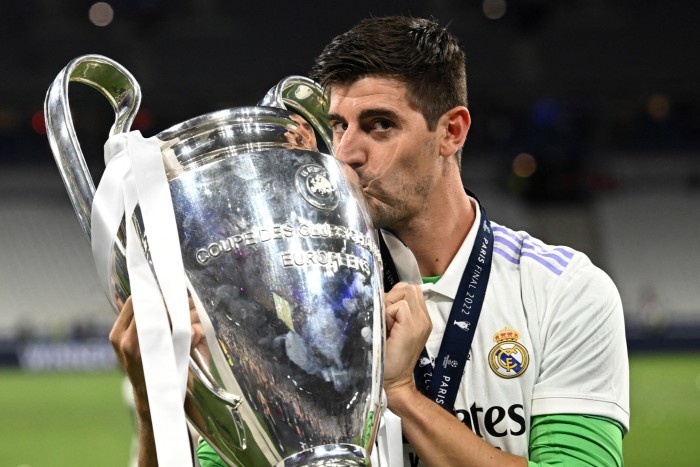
column 439, row 438
column 147, row 442
column 147, row 450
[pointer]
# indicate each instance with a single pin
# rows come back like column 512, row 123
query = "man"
column 530, row 363
column 546, row 376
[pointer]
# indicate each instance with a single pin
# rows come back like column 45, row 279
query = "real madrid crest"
column 508, row 358
column 315, row 186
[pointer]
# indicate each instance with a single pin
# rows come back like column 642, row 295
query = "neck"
column 436, row 235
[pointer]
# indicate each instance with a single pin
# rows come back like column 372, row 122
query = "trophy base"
column 329, row 455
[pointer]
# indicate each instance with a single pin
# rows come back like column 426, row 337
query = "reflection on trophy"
column 280, row 260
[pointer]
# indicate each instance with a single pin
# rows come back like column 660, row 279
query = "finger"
column 124, row 337
column 399, row 312
column 118, row 301
column 389, row 319
column 197, row 336
column 194, row 316
column 123, row 321
column 403, row 291
column 412, row 294
column 197, row 328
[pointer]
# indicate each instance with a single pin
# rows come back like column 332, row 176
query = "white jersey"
column 550, row 339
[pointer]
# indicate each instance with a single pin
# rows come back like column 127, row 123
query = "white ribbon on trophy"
column 388, row 448
column 135, row 174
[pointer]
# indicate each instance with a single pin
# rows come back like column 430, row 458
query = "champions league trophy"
column 280, row 260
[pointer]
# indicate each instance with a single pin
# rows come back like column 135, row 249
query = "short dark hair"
column 416, row 51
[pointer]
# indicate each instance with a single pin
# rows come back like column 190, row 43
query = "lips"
column 366, row 183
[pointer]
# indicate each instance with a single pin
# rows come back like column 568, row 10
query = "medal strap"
column 440, row 382
column 389, row 272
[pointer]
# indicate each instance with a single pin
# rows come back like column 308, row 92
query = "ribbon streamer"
column 135, row 175
column 388, row 449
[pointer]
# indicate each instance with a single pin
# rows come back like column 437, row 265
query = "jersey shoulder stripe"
column 517, row 247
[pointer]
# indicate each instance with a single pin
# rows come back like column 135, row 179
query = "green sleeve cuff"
column 207, row 456
column 557, row 440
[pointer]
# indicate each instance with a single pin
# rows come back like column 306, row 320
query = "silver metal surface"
column 282, row 264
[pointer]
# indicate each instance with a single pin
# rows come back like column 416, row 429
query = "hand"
column 125, row 342
column 408, row 327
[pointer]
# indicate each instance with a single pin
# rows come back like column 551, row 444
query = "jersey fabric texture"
column 550, row 339
column 207, row 456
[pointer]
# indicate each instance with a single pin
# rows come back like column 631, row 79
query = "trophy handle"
column 306, row 97
column 224, row 405
column 121, row 90
column 124, row 94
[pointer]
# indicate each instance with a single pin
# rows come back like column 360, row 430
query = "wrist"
column 400, row 397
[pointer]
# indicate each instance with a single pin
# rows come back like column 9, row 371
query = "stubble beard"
column 395, row 212
column 384, row 216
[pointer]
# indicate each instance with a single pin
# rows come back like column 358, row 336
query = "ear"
column 454, row 125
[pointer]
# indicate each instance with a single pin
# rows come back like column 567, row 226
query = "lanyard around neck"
column 440, row 381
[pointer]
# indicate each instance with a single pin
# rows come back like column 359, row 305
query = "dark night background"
column 603, row 96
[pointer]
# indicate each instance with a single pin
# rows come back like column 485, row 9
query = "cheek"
column 412, row 158
column 382, row 160
column 385, row 164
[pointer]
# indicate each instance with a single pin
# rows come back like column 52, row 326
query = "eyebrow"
column 367, row 113
column 335, row 117
column 380, row 112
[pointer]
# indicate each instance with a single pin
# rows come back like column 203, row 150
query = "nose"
column 349, row 148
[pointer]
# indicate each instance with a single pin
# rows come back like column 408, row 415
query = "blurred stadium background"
column 586, row 132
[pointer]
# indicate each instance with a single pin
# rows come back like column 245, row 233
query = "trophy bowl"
column 281, row 263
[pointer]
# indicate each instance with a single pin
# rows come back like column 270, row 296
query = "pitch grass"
column 63, row 419
column 665, row 405
column 79, row 419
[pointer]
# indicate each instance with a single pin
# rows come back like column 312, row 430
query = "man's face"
column 388, row 144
